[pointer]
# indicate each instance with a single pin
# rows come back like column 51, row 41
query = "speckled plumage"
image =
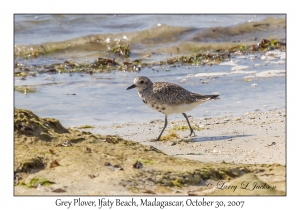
column 173, row 94
column 168, row 98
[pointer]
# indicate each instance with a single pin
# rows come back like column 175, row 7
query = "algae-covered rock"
column 28, row 124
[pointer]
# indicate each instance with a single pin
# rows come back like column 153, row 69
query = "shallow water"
column 38, row 29
column 85, row 37
column 102, row 98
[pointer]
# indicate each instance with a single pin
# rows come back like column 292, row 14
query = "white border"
column 154, row 6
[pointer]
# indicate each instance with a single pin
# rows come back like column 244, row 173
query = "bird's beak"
column 132, row 86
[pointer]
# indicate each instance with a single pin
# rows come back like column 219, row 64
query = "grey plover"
column 168, row 98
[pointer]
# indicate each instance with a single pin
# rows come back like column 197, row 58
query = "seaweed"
column 86, row 126
column 122, row 52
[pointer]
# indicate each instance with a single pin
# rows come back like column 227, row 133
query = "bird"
column 168, row 98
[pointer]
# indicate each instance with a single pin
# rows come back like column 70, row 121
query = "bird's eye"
column 142, row 82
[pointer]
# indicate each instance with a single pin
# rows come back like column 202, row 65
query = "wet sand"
column 257, row 137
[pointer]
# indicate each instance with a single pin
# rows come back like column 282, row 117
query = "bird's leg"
column 191, row 129
column 166, row 122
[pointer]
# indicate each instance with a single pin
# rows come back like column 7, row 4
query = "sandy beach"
column 251, row 138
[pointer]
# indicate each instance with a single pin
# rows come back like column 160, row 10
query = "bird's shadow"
column 217, row 138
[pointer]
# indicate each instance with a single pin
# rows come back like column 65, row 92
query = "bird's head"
column 140, row 83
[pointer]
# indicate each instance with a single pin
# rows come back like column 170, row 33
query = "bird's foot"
column 191, row 135
column 192, row 132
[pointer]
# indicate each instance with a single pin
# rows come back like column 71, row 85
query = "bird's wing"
column 174, row 94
